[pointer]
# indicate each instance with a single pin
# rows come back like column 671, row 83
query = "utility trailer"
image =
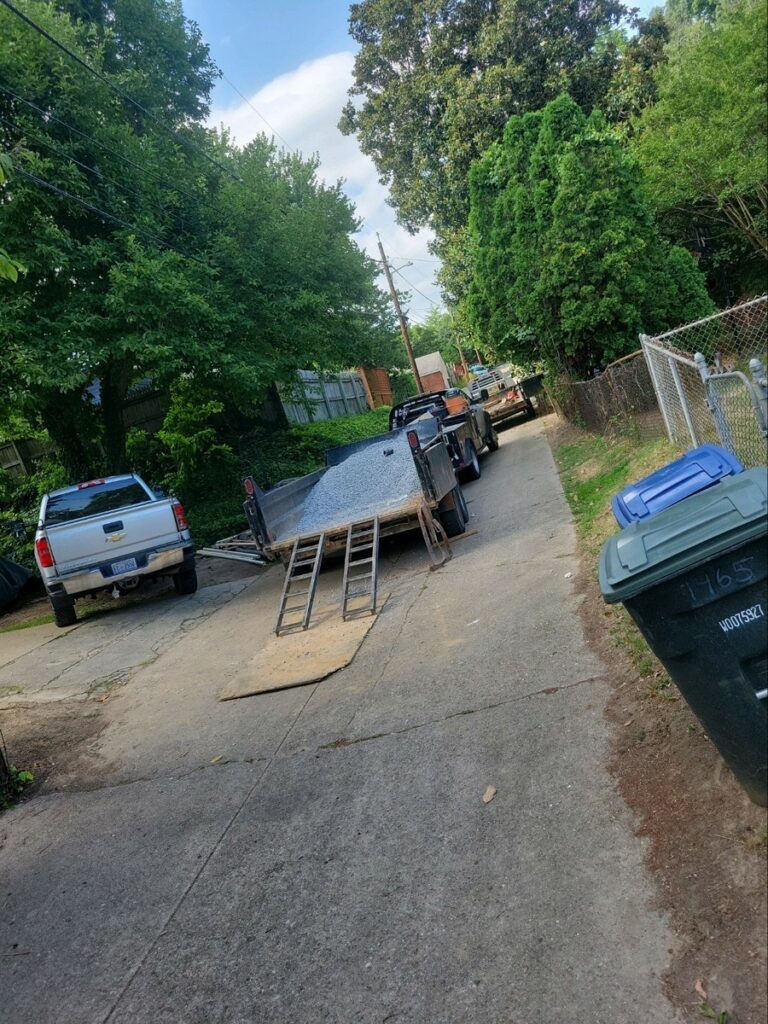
column 383, row 485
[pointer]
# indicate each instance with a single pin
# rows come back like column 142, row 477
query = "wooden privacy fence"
column 377, row 385
column 323, row 396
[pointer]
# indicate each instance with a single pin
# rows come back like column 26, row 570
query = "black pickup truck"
column 465, row 424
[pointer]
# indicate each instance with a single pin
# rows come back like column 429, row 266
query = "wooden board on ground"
column 297, row 659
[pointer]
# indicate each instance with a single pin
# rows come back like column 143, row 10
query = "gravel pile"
column 364, row 485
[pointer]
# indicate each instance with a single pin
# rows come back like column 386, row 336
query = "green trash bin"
column 694, row 579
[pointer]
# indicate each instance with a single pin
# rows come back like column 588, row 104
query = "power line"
column 115, row 88
column 89, row 138
column 86, row 167
column 108, row 216
column 421, row 293
column 257, row 112
column 417, row 259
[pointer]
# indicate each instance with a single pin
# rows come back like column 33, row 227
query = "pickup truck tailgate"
column 113, row 536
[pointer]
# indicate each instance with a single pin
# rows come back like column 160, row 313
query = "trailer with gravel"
column 380, row 486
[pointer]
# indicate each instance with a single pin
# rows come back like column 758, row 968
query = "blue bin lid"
column 659, row 548
column 695, row 471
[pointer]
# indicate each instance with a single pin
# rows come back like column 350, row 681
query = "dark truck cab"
column 465, row 425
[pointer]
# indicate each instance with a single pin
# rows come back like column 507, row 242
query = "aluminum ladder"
column 361, row 569
column 300, row 584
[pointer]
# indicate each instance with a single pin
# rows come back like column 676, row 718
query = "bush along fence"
column 702, row 382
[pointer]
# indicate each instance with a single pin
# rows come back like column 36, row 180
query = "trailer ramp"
column 300, row 585
column 361, row 569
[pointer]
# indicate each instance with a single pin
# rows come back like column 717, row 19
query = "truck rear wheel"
column 451, row 511
column 64, row 611
column 472, row 470
column 185, row 580
column 492, row 440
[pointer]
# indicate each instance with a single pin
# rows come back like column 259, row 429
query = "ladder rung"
column 359, row 576
column 360, row 561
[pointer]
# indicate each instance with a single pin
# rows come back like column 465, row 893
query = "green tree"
column 9, row 268
column 703, row 144
column 569, row 264
column 236, row 266
column 437, row 335
column 436, row 80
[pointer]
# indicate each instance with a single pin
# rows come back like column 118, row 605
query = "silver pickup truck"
column 110, row 534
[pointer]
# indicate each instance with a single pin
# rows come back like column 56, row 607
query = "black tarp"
column 12, row 579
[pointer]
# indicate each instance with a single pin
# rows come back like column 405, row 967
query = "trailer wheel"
column 451, row 512
column 492, row 440
column 472, row 470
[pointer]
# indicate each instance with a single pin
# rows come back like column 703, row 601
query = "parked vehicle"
column 110, row 533
column 389, row 476
column 465, row 424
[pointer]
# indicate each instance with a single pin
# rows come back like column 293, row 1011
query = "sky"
column 293, row 60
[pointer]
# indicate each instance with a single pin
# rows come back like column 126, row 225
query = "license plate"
column 126, row 565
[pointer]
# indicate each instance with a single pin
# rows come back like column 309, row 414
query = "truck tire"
column 64, row 611
column 492, row 440
column 185, row 580
column 451, row 512
column 462, row 504
column 472, row 470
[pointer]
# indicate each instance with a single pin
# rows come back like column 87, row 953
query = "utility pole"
column 401, row 318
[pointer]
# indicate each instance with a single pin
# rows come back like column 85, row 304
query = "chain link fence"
column 701, row 383
column 709, row 378
column 620, row 401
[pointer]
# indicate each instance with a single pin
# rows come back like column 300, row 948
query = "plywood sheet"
column 298, row 659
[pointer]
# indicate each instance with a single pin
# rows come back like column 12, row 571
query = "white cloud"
column 303, row 107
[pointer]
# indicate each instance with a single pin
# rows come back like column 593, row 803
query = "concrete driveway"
column 324, row 853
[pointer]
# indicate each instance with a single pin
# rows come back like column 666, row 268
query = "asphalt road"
column 337, row 863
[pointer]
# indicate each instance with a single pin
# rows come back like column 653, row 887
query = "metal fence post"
column 713, row 400
column 683, row 400
column 761, row 388
column 648, row 353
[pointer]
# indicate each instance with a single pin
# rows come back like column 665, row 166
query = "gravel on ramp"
column 370, row 482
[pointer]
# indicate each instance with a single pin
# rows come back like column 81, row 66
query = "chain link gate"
column 710, row 380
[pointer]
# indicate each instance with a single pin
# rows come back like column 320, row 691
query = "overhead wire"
column 89, row 138
column 40, row 140
column 43, row 183
column 115, row 88
column 420, row 292
column 257, row 112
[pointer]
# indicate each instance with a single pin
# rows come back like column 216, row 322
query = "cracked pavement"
column 46, row 663
column 323, row 853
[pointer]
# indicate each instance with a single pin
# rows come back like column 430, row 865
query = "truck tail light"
column 44, row 554
column 180, row 516
column 413, row 440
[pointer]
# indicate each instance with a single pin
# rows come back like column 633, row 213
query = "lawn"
column 593, row 469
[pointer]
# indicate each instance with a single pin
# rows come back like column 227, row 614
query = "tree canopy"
column 568, row 262
column 703, row 143
column 153, row 246
column 436, row 80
